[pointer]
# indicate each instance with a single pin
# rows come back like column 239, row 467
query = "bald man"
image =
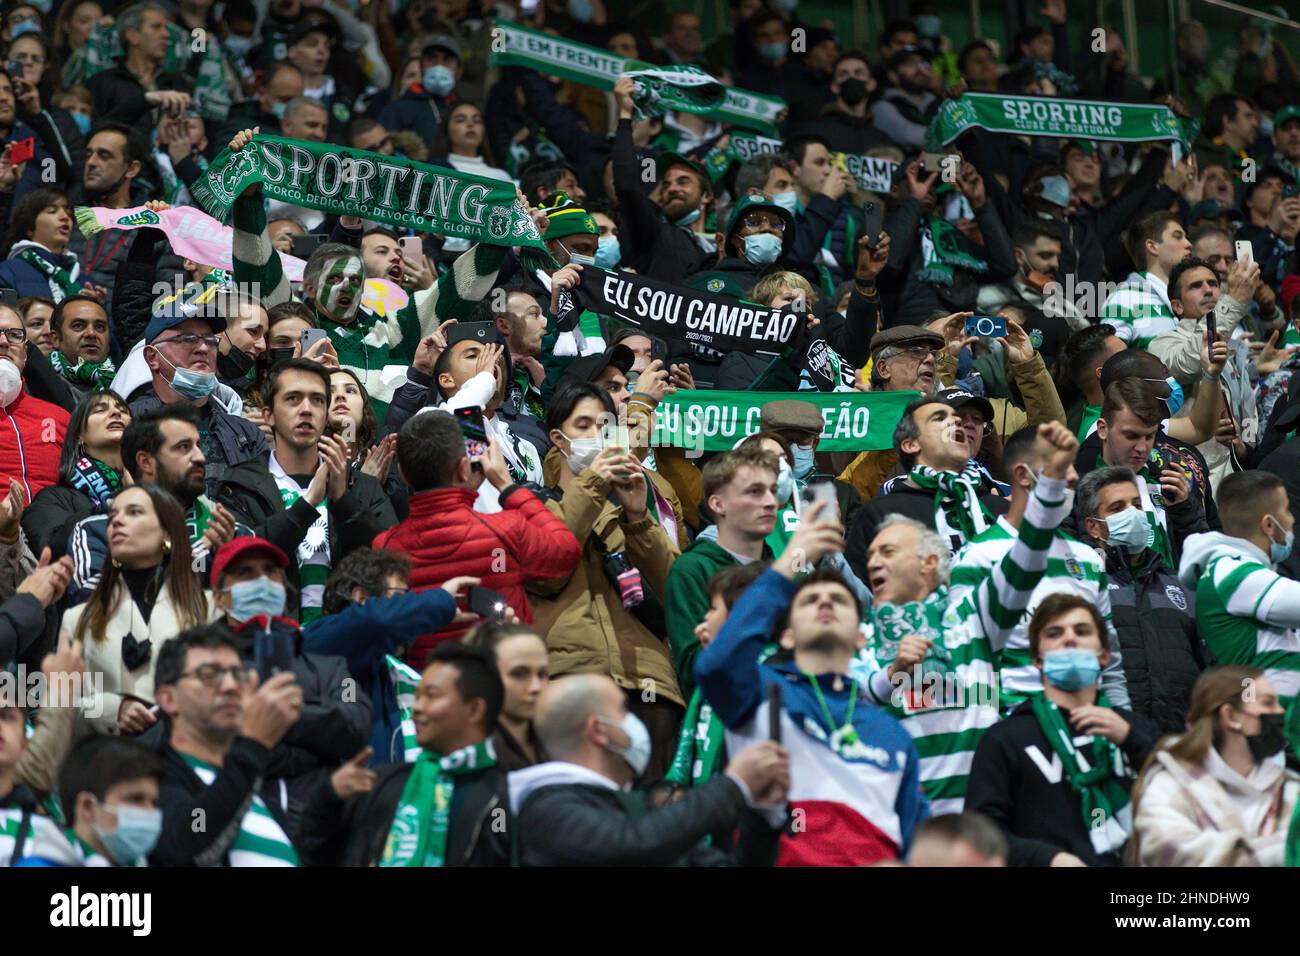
column 579, row 808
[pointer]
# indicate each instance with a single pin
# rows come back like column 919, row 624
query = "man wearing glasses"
column 224, row 727
column 182, row 343
column 31, row 430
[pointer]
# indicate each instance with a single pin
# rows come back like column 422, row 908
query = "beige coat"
column 104, row 657
column 1207, row 814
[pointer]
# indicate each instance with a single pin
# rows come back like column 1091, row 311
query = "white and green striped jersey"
column 1249, row 614
column 1139, row 309
column 1072, row 568
column 43, row 834
column 947, row 711
column 261, row 841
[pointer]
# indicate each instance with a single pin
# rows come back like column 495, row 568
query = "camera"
column 986, row 326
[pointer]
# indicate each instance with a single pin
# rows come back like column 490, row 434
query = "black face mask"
column 235, row 364
column 1270, row 740
column 276, row 356
column 853, row 91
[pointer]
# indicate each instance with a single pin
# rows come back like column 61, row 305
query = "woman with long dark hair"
column 147, row 594
column 462, row 143
column 91, row 471
column 1216, row 795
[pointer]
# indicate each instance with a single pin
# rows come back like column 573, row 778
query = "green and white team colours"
column 261, row 841
column 406, row 680
column 950, row 699
column 1072, row 568
column 1139, row 309
column 1246, row 612
column 377, row 348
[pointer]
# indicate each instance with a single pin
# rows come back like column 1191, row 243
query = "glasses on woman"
column 210, row 675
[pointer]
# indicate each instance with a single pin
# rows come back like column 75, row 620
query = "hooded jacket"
column 31, row 440
column 1247, row 612
column 27, row 280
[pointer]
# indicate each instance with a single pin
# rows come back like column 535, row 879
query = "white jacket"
column 1207, row 814
column 112, row 680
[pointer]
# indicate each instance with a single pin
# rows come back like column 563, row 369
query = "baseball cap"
column 442, row 42
column 960, row 397
column 171, row 312
column 587, row 368
column 321, row 23
column 238, row 547
column 903, row 54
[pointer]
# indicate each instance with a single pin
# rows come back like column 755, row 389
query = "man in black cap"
column 943, row 490
column 665, row 237
column 422, row 108
column 181, row 347
column 904, row 112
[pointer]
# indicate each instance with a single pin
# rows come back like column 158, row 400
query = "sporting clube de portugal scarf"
column 356, row 182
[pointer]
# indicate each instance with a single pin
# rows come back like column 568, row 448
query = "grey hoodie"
column 1200, row 549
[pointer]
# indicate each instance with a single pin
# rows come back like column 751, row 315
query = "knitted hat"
column 564, row 217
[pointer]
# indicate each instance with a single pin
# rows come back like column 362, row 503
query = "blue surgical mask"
column 788, row 200
column 83, row 122
column 1277, row 553
column 580, row 259
column 581, row 10
column 1266, row 126
column 1056, row 190
column 237, row 46
column 1071, row 668
column 784, row 483
column 138, row 829
column 27, row 26
column 608, row 252
column 1129, row 529
column 45, row 6
column 928, row 25
column 803, row 461
column 277, row 110
column 193, row 385
column 439, row 80
column 689, row 218
column 762, row 248
column 772, row 51
column 637, row 751
column 260, row 597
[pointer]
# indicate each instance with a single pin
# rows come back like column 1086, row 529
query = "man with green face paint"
column 378, row 348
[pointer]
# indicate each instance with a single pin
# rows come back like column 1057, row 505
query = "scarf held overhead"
column 514, row 45
column 356, row 182
column 1044, row 116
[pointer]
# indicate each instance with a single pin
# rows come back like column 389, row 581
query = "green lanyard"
column 846, row 734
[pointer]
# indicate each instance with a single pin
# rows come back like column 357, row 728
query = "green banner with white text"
column 715, row 421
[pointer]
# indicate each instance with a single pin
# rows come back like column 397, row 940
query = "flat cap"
column 791, row 414
column 905, row 335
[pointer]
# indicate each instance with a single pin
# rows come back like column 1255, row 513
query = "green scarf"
column 676, row 88
column 387, row 189
column 1103, row 797
column 86, row 374
column 659, row 89
column 1044, row 116
column 957, row 505
column 62, row 282
column 698, row 745
column 890, row 623
column 1293, row 738
column 418, row 836
column 941, row 254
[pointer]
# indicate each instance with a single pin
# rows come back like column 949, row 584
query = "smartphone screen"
column 473, row 431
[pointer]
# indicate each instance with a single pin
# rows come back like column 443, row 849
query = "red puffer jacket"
column 31, row 441
column 445, row 538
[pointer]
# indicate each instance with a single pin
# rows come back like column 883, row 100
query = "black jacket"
column 232, row 441
column 184, row 799
column 22, row 621
column 1155, row 618
column 845, row 133
column 1040, row 817
column 251, row 494
column 651, row 244
column 589, row 825
column 48, row 520
column 333, row 727
column 905, row 499
column 354, row 832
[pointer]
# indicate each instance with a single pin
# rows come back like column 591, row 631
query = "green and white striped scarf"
column 63, row 282
column 699, row 744
column 929, row 618
column 405, row 680
column 958, row 511
column 418, row 835
column 1104, row 799
column 88, row 374
column 261, row 841
column 313, row 554
column 940, row 254
column 659, row 89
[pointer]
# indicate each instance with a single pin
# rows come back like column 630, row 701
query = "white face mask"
column 637, row 751
column 11, row 382
column 582, row 452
